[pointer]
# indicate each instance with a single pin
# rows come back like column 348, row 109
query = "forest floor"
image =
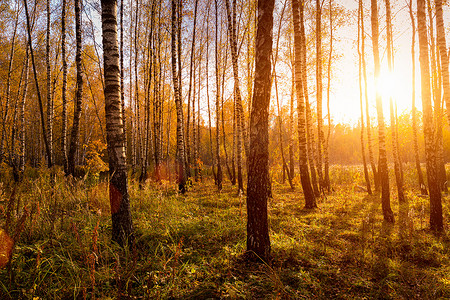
column 191, row 247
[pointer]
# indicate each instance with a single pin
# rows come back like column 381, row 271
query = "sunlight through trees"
column 273, row 116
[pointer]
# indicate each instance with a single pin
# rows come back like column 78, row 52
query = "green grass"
column 190, row 247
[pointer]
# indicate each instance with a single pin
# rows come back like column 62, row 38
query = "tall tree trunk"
column 219, row 166
column 151, row 75
column 207, row 96
column 444, row 71
column 41, row 108
column 233, row 151
column 161, row 97
column 436, row 96
column 291, row 129
column 363, row 148
column 311, row 148
column 422, row 186
column 241, row 130
column 442, row 45
column 191, row 65
column 130, row 91
column 135, row 88
column 198, row 174
column 75, row 133
column 5, row 110
column 22, row 114
column 291, row 108
column 137, row 103
column 310, row 199
column 179, row 21
column 383, row 166
column 122, row 85
column 157, row 104
column 436, row 220
column 178, row 103
column 157, row 108
column 319, row 92
column 395, row 149
column 438, row 104
column 169, row 119
column 258, row 241
column 376, row 177
column 280, row 132
column 231, row 171
column 49, row 95
column 245, row 130
column 194, row 131
column 122, row 228
column 326, row 176
column 64, row 88
column 162, row 68
column 250, row 60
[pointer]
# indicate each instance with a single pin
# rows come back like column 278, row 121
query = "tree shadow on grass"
column 206, row 290
column 380, row 269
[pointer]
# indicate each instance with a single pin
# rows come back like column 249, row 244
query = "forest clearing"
column 226, row 149
column 192, row 246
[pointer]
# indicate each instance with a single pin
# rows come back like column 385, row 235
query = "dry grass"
column 190, row 247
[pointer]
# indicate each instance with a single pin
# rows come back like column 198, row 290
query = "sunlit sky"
column 344, row 98
column 344, row 103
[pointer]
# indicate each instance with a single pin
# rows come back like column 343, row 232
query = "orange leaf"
column 6, row 245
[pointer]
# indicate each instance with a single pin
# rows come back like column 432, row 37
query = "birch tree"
column 363, row 147
column 383, row 166
column 64, row 87
column 436, row 220
column 122, row 228
column 75, row 133
column 395, row 149
column 376, row 177
column 181, row 164
column 49, row 95
column 38, row 91
column 240, row 125
column 258, row 241
column 319, row 92
column 310, row 199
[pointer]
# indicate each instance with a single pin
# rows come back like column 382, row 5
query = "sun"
column 388, row 85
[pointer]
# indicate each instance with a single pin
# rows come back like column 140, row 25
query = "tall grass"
column 190, row 247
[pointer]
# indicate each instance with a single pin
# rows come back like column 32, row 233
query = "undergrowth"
column 191, row 247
